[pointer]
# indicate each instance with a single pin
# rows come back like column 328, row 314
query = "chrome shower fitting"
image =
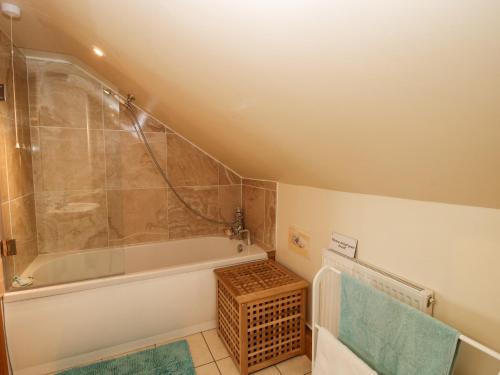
column 237, row 229
column 129, row 106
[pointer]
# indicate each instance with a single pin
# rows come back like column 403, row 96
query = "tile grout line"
column 208, row 346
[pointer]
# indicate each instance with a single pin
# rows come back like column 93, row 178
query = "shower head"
column 11, row 10
column 130, row 99
column 125, row 101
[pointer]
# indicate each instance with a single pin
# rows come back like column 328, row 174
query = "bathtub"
column 88, row 305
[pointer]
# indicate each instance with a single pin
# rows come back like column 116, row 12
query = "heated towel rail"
column 325, row 300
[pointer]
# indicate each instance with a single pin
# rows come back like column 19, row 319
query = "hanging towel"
column 334, row 358
column 391, row 337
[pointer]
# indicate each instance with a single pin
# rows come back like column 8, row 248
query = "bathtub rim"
column 255, row 253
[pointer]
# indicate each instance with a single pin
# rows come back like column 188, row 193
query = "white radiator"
column 406, row 292
column 326, row 294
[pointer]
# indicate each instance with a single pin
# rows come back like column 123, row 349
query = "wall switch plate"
column 298, row 241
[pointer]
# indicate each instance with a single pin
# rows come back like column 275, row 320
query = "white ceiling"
column 397, row 98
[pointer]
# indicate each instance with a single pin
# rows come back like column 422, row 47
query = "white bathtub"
column 151, row 293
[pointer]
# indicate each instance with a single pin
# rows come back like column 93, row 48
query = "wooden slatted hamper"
column 261, row 311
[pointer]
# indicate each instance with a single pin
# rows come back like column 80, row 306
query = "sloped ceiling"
column 396, row 98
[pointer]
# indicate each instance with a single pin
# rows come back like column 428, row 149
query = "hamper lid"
column 259, row 279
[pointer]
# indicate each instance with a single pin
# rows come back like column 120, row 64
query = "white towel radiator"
column 326, row 294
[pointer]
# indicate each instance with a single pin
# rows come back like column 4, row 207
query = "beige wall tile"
column 26, row 253
column 63, row 95
column 6, row 107
column 71, row 159
column 33, row 90
column 21, row 81
column 229, row 200
column 4, row 196
column 183, row 223
column 188, row 166
column 270, row 219
column 71, row 220
column 128, row 164
column 271, row 185
column 227, row 177
column 137, row 216
column 24, row 231
column 117, row 117
column 254, row 200
column 19, row 164
column 23, row 218
column 6, row 226
column 36, row 158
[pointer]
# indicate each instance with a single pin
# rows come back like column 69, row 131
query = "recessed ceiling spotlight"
column 98, row 51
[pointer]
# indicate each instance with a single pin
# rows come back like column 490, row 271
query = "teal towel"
column 391, row 337
column 170, row 359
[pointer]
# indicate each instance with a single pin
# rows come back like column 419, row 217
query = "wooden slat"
column 261, row 314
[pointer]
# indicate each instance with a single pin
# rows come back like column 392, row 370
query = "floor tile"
column 197, row 346
column 209, row 369
column 215, row 344
column 295, row 366
column 227, row 367
column 268, row 371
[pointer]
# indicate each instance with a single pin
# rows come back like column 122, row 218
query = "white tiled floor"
column 210, row 357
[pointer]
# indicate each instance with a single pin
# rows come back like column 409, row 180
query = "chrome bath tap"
column 237, row 229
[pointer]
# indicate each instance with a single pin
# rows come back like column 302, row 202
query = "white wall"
column 453, row 250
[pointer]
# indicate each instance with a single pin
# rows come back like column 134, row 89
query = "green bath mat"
column 170, row 359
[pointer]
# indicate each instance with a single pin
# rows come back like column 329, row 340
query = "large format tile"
column 227, row 367
column 268, row 371
column 71, row 220
column 215, row 344
column 69, row 159
column 23, row 218
column 6, row 226
column 7, row 106
column 182, row 222
column 129, row 165
column 188, row 166
column 4, row 196
column 118, row 117
column 229, row 200
column 199, row 350
column 269, row 185
column 19, row 162
column 228, row 177
column 63, row 95
column 26, row 253
column 137, row 216
column 254, row 201
column 270, row 220
column 300, row 365
column 208, row 369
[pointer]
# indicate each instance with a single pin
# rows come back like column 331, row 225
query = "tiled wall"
column 95, row 185
column 16, row 176
column 259, row 203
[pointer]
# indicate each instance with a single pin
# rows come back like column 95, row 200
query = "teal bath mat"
column 170, row 359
